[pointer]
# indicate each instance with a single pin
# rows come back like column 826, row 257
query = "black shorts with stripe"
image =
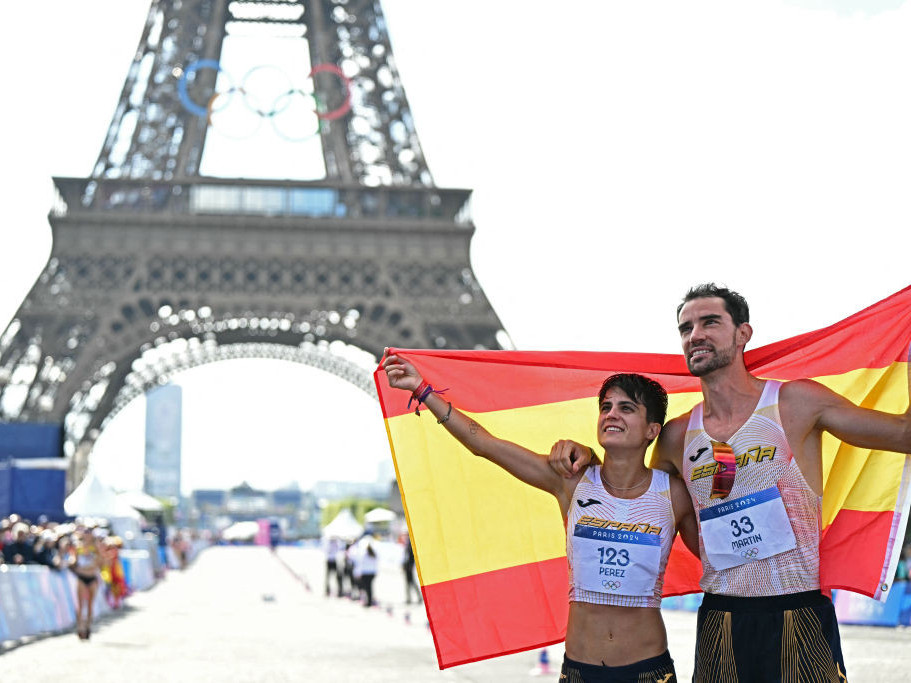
column 775, row 638
column 658, row 669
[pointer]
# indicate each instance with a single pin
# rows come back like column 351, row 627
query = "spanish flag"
column 490, row 550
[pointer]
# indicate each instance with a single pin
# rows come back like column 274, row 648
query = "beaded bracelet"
column 446, row 416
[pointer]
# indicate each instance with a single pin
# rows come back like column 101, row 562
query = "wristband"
column 446, row 416
column 420, row 395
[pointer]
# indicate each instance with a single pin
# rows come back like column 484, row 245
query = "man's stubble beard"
column 720, row 359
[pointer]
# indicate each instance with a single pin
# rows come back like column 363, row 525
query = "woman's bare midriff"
column 614, row 636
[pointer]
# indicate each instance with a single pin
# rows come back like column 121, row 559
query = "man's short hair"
column 642, row 390
column 734, row 303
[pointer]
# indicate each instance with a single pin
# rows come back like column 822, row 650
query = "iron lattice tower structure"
column 156, row 268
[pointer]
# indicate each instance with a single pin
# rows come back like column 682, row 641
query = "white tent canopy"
column 241, row 531
column 140, row 501
column 377, row 515
column 344, row 526
column 92, row 498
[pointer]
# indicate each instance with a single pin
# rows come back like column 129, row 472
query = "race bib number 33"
column 611, row 561
column 745, row 529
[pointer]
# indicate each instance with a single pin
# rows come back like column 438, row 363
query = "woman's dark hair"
column 642, row 390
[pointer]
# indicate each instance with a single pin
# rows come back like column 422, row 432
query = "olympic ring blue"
column 182, row 93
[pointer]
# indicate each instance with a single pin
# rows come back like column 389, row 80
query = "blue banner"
column 31, row 439
column 162, row 458
column 32, row 470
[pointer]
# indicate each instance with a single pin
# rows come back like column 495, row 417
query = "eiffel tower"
column 156, row 268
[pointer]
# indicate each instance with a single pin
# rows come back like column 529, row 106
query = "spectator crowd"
column 54, row 545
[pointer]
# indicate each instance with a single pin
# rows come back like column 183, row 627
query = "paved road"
column 242, row 614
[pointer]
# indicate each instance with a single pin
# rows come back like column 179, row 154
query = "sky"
column 618, row 154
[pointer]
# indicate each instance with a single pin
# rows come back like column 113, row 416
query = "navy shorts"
column 776, row 638
column 658, row 669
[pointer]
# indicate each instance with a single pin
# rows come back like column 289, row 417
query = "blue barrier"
column 138, row 569
column 32, row 601
column 850, row 608
column 687, row 603
column 904, row 614
column 35, row 599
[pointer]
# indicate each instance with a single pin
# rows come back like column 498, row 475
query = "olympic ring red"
column 346, row 105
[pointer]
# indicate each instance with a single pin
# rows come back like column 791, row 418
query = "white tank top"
column 618, row 546
column 85, row 557
column 765, row 469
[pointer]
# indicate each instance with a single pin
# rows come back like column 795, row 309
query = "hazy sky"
column 618, row 152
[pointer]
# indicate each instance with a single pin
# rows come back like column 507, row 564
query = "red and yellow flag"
column 490, row 550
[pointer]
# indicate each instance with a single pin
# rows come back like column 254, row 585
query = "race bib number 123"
column 612, row 561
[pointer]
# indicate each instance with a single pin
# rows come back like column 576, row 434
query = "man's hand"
column 401, row 374
column 568, row 457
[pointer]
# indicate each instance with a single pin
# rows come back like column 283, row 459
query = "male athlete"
column 750, row 456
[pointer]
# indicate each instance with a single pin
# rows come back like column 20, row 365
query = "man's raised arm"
column 820, row 408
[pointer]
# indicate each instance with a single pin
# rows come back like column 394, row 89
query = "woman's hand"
column 401, row 374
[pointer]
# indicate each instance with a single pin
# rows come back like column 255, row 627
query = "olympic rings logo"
column 291, row 110
column 752, row 552
column 611, row 585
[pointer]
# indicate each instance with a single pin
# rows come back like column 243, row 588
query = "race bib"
column 619, row 562
column 746, row 529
